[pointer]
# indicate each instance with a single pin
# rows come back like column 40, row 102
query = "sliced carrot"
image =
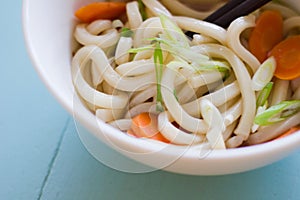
column 267, row 32
column 287, row 56
column 100, row 10
column 289, row 132
column 145, row 125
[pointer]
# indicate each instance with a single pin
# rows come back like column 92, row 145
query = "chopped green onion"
column 175, row 94
column 212, row 65
column 158, row 61
column 139, row 49
column 173, row 32
column 179, row 63
column 178, row 50
column 142, row 10
column 126, row 32
column 264, row 94
column 259, row 110
column 264, row 74
column 278, row 113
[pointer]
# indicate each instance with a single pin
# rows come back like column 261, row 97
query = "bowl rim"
column 34, row 59
column 290, row 143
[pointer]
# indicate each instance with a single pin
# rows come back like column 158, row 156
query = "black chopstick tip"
column 230, row 11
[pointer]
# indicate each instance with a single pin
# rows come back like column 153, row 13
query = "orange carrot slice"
column 287, row 56
column 145, row 125
column 289, row 132
column 100, row 10
column 266, row 34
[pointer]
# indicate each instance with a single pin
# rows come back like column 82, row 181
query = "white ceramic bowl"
column 48, row 27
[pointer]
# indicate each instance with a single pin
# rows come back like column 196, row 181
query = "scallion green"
column 142, row 10
column 264, row 94
column 158, row 61
column 139, row 49
column 278, row 112
column 126, row 32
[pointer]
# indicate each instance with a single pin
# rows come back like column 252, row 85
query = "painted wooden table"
column 42, row 157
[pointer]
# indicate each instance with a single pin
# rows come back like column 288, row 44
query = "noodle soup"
column 140, row 73
column 101, row 138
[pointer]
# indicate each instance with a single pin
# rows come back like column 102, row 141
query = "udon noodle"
column 116, row 75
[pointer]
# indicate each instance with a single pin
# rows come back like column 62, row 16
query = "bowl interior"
column 48, row 29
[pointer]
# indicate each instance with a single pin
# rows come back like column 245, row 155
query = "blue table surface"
column 42, row 157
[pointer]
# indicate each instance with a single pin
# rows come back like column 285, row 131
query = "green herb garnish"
column 175, row 94
column 220, row 66
column 264, row 94
column 158, row 61
column 139, row 49
column 142, row 10
column 278, row 113
column 126, row 32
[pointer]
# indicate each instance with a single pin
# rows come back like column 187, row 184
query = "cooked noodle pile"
column 199, row 89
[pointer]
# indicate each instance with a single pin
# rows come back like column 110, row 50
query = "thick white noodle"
column 135, row 68
column 118, row 24
column 122, row 55
column 180, row 79
column 175, row 135
column 270, row 132
column 183, row 75
column 122, row 124
column 280, row 91
column 98, row 26
column 142, row 96
column 205, row 78
column 108, row 115
column 96, row 75
column 208, row 29
column 215, row 121
column 192, row 124
column 140, row 108
column 133, row 15
column 243, row 79
column 156, row 8
column 152, row 30
column 146, row 54
column 234, row 141
column 186, row 93
column 233, row 40
column 229, row 130
column 139, row 39
column 88, row 93
column 119, row 82
column 224, row 107
column 233, row 113
column 108, row 37
column 202, row 39
column 218, row 98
